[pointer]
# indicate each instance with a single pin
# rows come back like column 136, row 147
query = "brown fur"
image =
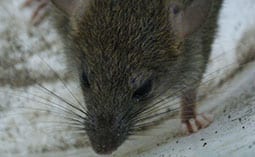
column 117, row 41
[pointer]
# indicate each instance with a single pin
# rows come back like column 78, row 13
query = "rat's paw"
column 40, row 12
column 201, row 121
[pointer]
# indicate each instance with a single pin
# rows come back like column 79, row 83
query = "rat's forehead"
column 133, row 75
column 126, row 28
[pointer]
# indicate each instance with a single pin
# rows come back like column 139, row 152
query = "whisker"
column 158, row 114
column 64, row 123
column 49, row 104
column 155, row 109
column 183, row 70
column 62, row 81
column 179, row 92
column 56, row 114
column 70, row 132
column 62, row 99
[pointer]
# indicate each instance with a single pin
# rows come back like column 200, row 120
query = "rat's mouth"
column 105, row 146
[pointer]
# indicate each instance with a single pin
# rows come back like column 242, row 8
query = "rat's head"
column 125, row 51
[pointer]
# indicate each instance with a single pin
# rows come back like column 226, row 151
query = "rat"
column 127, row 53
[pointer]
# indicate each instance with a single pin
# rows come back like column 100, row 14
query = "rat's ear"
column 187, row 16
column 68, row 6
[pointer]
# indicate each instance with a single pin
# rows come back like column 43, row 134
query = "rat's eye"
column 175, row 8
column 84, row 80
column 143, row 90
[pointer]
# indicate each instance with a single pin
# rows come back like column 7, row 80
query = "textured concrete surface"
column 32, row 121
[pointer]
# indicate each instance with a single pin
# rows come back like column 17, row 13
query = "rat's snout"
column 103, row 144
column 104, row 141
column 104, row 149
column 107, row 134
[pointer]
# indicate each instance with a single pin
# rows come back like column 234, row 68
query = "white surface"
column 236, row 19
column 25, row 131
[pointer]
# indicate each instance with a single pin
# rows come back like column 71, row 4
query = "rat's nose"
column 107, row 133
column 106, row 143
column 104, row 150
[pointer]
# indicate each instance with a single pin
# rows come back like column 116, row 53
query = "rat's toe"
column 190, row 126
column 204, row 120
column 193, row 125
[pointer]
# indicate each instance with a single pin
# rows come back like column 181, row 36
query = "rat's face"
column 126, row 53
column 113, row 107
column 122, row 61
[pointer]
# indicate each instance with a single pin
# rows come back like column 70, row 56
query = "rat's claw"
column 40, row 12
column 204, row 120
column 27, row 3
column 194, row 124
